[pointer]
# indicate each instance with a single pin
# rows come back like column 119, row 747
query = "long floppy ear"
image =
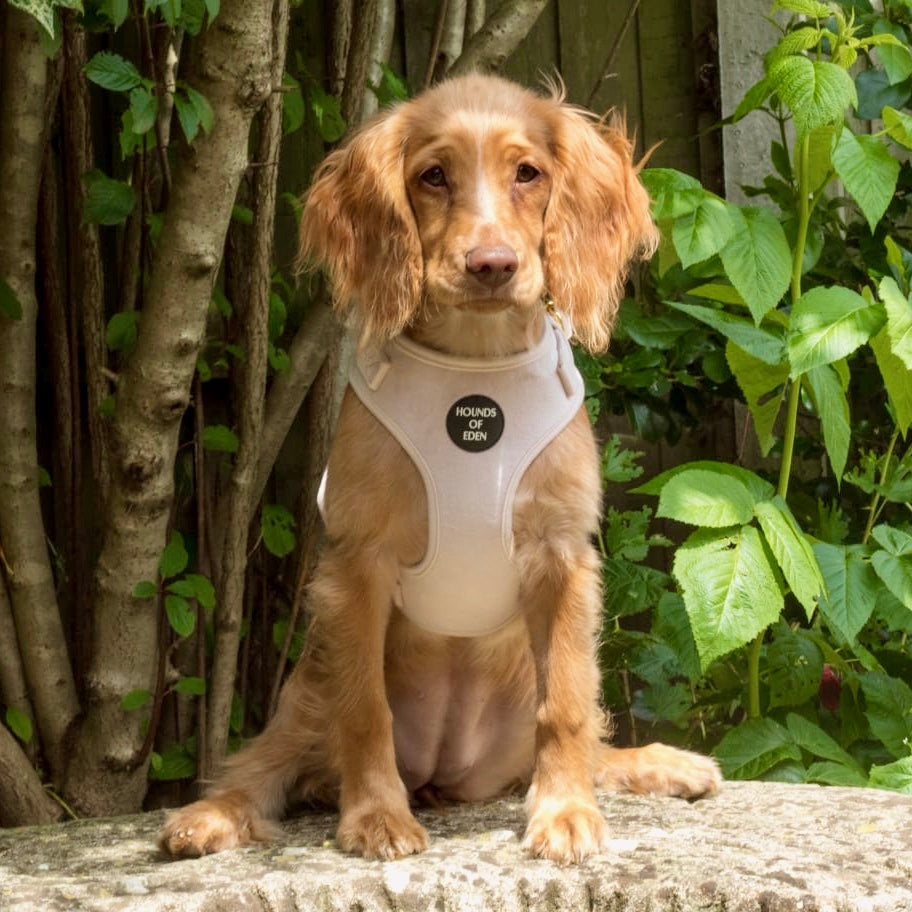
column 357, row 222
column 597, row 221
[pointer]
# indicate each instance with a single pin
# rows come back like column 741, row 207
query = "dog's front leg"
column 561, row 599
column 353, row 590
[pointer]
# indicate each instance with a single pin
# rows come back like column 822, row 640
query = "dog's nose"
column 492, row 265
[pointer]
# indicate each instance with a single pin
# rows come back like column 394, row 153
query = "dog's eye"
column 434, row 177
column 526, row 173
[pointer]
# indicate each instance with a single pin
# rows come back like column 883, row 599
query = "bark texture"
column 491, row 45
column 23, row 800
column 22, row 536
column 108, row 772
column 242, row 493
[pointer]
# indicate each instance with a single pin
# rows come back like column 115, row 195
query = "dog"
column 447, row 225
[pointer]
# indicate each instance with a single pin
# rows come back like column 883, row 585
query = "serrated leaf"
column 897, row 379
column 174, row 557
column 220, row 438
column 112, row 72
column 181, row 616
column 899, row 319
column 757, row 259
column 672, row 192
column 892, row 50
column 729, row 588
column 868, row 171
column 277, row 526
column 894, row 541
column 704, row 498
column 819, row 157
column 144, row 108
column 122, row 331
column 794, row 666
column 826, row 772
column 792, row 550
column 702, row 232
column 763, row 386
column 108, row 201
column 136, row 699
column 832, row 407
column 672, row 624
column 898, row 126
column 754, row 747
column 888, row 707
column 896, row 776
column 19, row 724
column 896, row 574
column 811, row 8
column 793, row 42
column 765, row 345
column 851, row 588
column 145, row 589
column 753, row 98
column 827, row 324
column 191, row 687
column 759, row 488
column 815, row 740
column 9, row 303
column 816, row 91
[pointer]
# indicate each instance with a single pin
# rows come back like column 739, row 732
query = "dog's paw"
column 210, row 826
column 565, row 831
column 381, row 833
column 658, row 769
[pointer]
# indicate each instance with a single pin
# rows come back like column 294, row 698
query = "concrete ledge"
column 763, row 847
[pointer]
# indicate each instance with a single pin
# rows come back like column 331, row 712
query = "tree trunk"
column 108, row 771
column 23, row 800
column 499, row 37
column 22, row 536
column 240, row 502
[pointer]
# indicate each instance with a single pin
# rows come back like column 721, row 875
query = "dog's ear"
column 597, row 221
column 357, row 222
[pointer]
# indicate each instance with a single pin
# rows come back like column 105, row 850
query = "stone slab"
column 756, row 847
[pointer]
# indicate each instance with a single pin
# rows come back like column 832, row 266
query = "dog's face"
column 479, row 187
column 479, row 195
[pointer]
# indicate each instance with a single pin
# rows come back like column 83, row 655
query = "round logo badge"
column 475, row 423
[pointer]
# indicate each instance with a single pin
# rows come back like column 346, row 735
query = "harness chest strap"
column 471, row 427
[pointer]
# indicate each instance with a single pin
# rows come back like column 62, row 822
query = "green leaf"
column 702, row 232
column 894, row 541
column 145, row 589
column 44, row 478
column 827, row 772
column 144, row 108
column 729, row 587
column 851, row 588
column 122, row 331
column 792, row 550
column 897, row 379
column 619, row 464
column 212, row 7
column 108, row 201
column 760, row 489
column 277, row 526
column 898, row 126
column 174, row 762
column 793, row 42
column 763, row 344
column 203, row 590
column 705, row 498
column 19, row 724
column 827, row 324
column 716, row 291
column 9, row 303
column 896, row 574
column 829, row 396
column 820, row 157
column 242, row 214
column 112, row 72
column 875, row 94
column 390, row 89
column 673, row 193
column 201, row 108
column 181, row 616
column 673, row 626
column 888, row 707
column 279, row 359
column 293, row 109
column 763, row 386
column 174, row 557
column 136, row 699
column 811, row 8
column 899, row 319
column 754, row 747
column 816, row 741
column 219, row 438
column 191, row 687
column 754, row 98
column 795, row 665
column 894, row 57
column 868, row 171
column 896, row 776
column 757, row 259
column 816, row 91
column 328, row 114
column 186, row 116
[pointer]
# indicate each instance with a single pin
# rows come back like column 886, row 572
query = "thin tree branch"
column 13, row 691
column 23, row 800
column 608, row 65
column 499, row 37
column 436, row 38
column 358, row 61
column 381, row 46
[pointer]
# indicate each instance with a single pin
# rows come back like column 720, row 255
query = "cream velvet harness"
column 472, row 427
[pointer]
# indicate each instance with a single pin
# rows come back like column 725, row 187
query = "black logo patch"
column 475, row 423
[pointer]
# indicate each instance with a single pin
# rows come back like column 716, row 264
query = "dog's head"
column 479, row 195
